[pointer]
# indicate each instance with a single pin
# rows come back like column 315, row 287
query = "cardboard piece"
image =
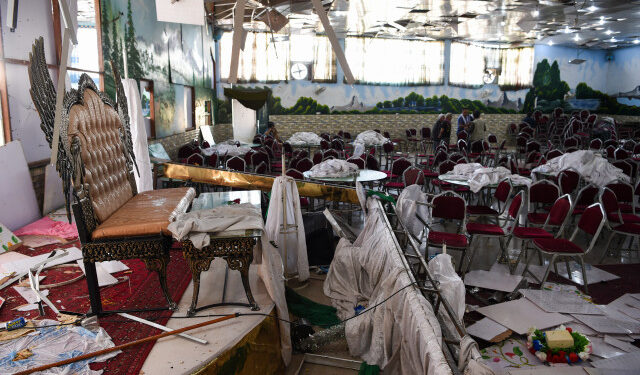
column 488, row 330
column 594, row 275
column 22, row 265
column 207, row 134
column 504, row 282
column 8, row 241
column 18, row 204
column 53, row 191
column 183, row 11
column 560, row 302
column 602, row 324
column 629, row 361
column 521, row 314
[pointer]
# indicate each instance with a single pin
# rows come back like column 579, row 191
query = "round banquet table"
column 466, row 182
column 364, row 175
column 307, row 146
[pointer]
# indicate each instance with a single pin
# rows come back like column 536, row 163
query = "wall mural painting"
column 549, row 92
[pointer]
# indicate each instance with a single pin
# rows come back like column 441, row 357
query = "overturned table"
column 235, row 246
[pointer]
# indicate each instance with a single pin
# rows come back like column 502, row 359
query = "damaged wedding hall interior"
column 320, row 187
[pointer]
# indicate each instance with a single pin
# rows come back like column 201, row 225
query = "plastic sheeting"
column 408, row 206
column 478, row 177
column 296, row 244
column 304, row 138
column 144, row 180
column 590, row 164
column 53, row 344
column 371, row 138
column 333, row 168
column 402, row 335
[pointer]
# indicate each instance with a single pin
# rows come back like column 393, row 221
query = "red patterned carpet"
column 141, row 290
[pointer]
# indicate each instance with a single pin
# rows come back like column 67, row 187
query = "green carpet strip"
column 316, row 313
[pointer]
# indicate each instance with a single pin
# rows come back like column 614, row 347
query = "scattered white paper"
column 561, row 302
column 621, row 319
column 22, row 265
column 486, row 329
column 104, row 277
column 594, row 275
column 579, row 327
column 538, row 271
column 602, row 324
column 547, row 370
column 9, row 257
column 628, row 306
column 522, row 314
column 629, row 361
column 28, row 294
column 492, row 280
column 603, row 350
column 113, row 266
column 622, row 345
column 29, row 307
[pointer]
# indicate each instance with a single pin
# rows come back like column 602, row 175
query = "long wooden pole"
column 124, row 346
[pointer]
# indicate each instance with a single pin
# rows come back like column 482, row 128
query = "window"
column 189, row 107
column 268, row 58
column 469, row 62
column 262, row 60
column 146, row 98
column 466, row 65
column 395, row 61
column 84, row 56
column 517, row 68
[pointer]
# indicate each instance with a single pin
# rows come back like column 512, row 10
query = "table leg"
column 197, row 266
column 247, row 289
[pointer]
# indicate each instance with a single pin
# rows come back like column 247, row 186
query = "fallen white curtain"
column 294, row 241
column 144, row 181
column 478, row 176
column 402, row 335
column 225, row 149
column 197, row 226
column 304, row 138
column 589, row 164
column 411, row 202
column 333, row 168
column 371, row 138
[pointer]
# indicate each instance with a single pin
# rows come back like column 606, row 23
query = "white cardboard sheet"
column 560, row 302
column 53, row 190
column 18, row 204
column 594, row 275
column 629, row 361
column 521, row 314
column 602, row 324
column 22, row 265
column 486, row 329
column 104, row 277
column 492, row 280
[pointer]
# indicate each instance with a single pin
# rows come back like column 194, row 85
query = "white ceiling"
column 583, row 23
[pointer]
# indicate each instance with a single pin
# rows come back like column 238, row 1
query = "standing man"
column 479, row 128
column 464, row 120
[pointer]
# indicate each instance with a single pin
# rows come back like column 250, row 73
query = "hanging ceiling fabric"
column 250, row 98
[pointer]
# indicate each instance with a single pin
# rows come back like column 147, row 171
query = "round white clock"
column 299, row 71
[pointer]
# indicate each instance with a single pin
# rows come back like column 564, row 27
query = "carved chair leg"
column 159, row 265
column 195, row 275
column 244, row 273
column 94, row 288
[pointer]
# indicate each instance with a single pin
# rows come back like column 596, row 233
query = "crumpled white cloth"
column 296, row 243
column 371, row 138
column 333, row 168
column 479, row 176
column 304, row 138
column 407, row 207
column 226, row 149
column 144, row 179
column 358, row 149
column 197, row 225
column 470, row 359
column 402, row 335
column 589, row 164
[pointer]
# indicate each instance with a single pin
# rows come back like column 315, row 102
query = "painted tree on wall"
column 109, row 83
column 134, row 65
column 547, row 86
column 608, row 104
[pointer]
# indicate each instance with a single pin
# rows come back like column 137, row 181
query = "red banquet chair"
column 500, row 197
column 611, row 208
column 625, row 194
column 357, row 161
column 449, row 206
column 236, row 164
column 590, row 225
column 397, row 169
column 542, row 194
column 587, row 196
column 557, row 218
column 497, row 231
column 413, row 176
column 568, row 180
column 304, row 165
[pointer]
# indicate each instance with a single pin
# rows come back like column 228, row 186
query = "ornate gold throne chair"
column 95, row 158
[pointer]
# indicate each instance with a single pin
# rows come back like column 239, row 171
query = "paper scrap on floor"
column 602, row 324
column 621, row 319
column 487, row 329
column 548, row 370
column 629, row 361
column 537, row 271
column 620, row 344
column 560, row 302
column 104, row 277
column 22, row 265
column 521, row 314
column 594, row 274
column 492, row 280
column 603, row 350
column 627, row 305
